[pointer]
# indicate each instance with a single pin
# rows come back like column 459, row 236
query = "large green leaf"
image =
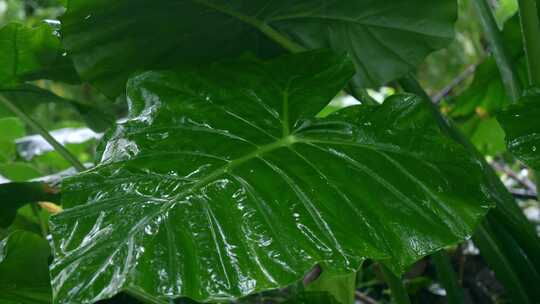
column 521, row 123
column 222, row 183
column 24, row 272
column 386, row 39
column 32, row 53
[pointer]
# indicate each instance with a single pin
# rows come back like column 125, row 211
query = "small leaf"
column 386, row 39
column 521, row 124
column 16, row 195
column 32, row 53
column 222, row 183
column 24, row 272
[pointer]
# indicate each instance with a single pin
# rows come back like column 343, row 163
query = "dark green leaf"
column 386, row 39
column 222, row 183
column 32, row 53
column 16, row 195
column 521, row 123
column 24, row 272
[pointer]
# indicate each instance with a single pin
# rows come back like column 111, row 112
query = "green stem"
column 502, row 57
column 266, row 29
column 498, row 260
column 399, row 294
column 42, row 225
column 361, row 95
column 44, row 133
column 447, row 277
column 530, row 28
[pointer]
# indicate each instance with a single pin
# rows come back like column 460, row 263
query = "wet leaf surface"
column 222, row 183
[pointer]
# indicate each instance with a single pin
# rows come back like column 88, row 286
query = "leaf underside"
column 386, row 39
column 222, row 183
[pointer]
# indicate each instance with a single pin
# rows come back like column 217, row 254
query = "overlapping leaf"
column 386, row 39
column 474, row 109
column 24, row 273
column 32, row 53
column 17, row 194
column 521, row 123
column 222, row 183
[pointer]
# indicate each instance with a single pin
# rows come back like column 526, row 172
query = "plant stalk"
column 502, row 57
column 399, row 293
column 44, row 133
column 144, row 297
column 263, row 27
column 447, row 277
column 530, row 28
column 42, row 225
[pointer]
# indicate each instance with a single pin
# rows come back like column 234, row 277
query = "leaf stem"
column 447, row 277
column 399, row 294
column 502, row 57
column 498, row 260
column 361, row 95
column 530, row 28
column 262, row 26
column 42, row 226
column 44, row 133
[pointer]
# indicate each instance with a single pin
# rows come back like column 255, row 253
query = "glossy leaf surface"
column 521, row 123
column 386, row 39
column 24, row 272
column 222, row 183
column 32, row 53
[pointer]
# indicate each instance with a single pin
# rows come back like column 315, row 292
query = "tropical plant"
column 228, row 171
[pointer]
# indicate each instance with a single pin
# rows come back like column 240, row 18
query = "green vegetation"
column 210, row 151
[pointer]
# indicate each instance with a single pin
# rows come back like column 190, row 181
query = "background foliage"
column 462, row 78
